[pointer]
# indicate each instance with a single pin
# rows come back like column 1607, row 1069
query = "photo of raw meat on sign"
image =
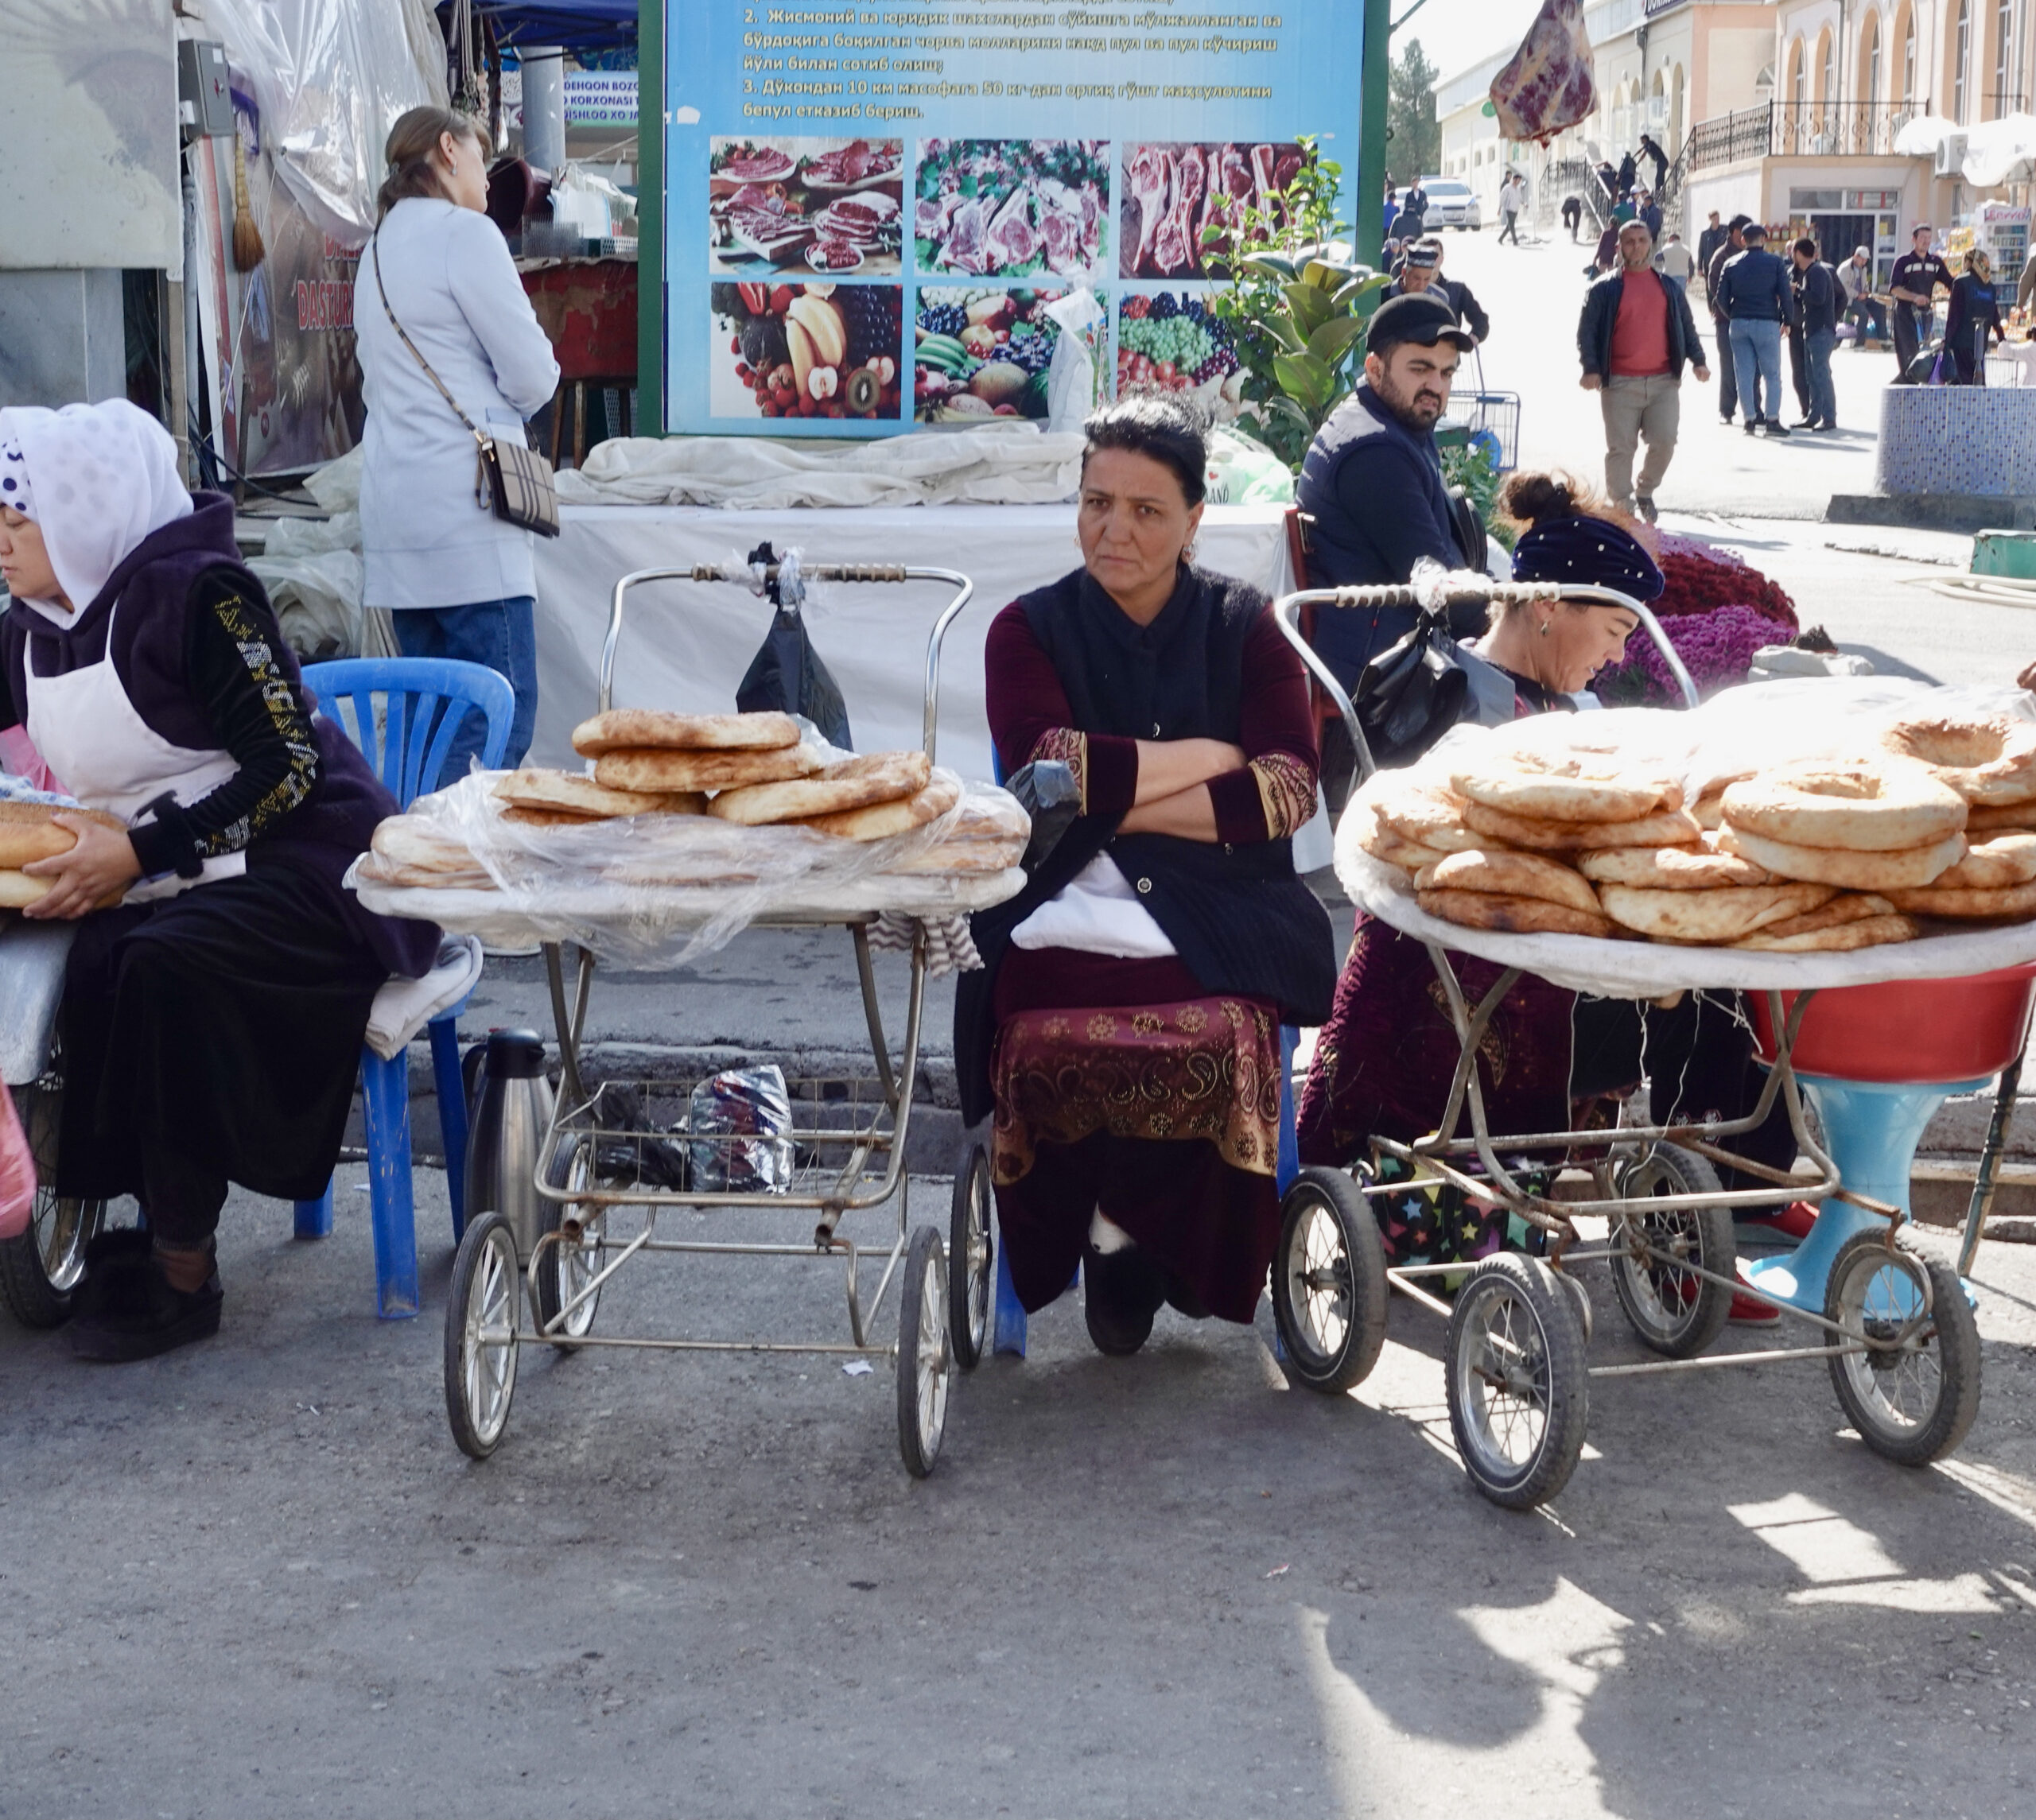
column 1011, row 207
column 981, row 354
column 817, row 350
column 828, row 207
column 1177, row 205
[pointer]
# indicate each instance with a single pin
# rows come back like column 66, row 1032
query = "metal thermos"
column 511, row 1117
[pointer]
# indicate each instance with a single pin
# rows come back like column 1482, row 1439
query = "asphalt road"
column 257, row 1577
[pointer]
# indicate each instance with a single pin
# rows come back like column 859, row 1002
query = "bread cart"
column 1895, row 1328
column 590, row 1178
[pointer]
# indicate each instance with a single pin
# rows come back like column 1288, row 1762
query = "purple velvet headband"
column 1591, row 552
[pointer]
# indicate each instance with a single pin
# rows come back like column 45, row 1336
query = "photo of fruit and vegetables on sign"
column 1011, row 207
column 981, row 354
column 1170, row 341
column 1177, row 205
column 829, row 206
column 814, row 349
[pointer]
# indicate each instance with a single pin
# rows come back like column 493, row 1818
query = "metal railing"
column 1789, row 129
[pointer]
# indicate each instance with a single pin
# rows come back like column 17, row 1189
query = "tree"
column 1414, row 148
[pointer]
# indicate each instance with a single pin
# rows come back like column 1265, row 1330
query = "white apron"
column 96, row 741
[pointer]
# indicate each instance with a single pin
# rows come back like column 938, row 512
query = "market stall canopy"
column 2000, row 151
column 576, row 25
column 1921, row 134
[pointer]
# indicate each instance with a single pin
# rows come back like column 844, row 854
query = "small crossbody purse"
column 511, row 478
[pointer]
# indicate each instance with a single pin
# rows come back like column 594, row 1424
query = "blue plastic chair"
column 424, row 700
column 1008, row 1322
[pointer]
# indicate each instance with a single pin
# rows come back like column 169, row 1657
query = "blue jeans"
column 501, row 634
column 1816, row 362
column 1757, row 361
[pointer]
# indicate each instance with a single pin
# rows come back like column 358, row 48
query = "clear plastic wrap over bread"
column 666, row 888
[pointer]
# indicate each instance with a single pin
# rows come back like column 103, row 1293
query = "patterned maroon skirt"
column 1120, row 1086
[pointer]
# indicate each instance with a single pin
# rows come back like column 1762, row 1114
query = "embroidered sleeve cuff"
column 1286, row 792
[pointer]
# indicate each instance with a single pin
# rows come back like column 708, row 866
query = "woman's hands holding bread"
column 93, row 872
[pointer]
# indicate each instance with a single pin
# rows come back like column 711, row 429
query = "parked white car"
column 1450, row 204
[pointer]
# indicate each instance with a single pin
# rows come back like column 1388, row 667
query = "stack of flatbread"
column 29, row 831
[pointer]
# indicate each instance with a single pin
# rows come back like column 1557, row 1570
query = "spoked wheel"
column 1519, row 1399
column 1912, row 1403
column 1329, row 1282
column 971, row 1258
column 40, row 1266
column 481, row 1335
column 568, row 1264
column 924, row 1360
column 1673, row 1310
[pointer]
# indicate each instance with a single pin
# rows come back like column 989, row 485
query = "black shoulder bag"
column 510, row 477
column 1413, row 692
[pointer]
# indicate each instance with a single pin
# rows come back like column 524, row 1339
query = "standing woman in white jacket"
column 459, row 581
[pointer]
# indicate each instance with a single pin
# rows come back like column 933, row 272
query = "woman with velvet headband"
column 212, row 1019
column 1383, row 1063
column 1125, row 1029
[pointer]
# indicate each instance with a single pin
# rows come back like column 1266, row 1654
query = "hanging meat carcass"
column 1547, row 86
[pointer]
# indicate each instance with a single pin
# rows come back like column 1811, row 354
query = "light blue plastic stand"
column 1871, row 1129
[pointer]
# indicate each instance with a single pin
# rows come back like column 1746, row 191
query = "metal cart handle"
column 854, row 571
column 1286, row 612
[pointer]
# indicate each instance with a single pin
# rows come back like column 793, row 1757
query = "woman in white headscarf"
column 213, row 1021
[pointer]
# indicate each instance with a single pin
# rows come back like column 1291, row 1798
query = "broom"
column 248, row 247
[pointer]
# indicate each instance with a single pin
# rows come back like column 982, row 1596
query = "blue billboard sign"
column 870, row 206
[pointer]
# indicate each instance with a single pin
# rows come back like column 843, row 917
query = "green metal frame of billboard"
column 652, row 124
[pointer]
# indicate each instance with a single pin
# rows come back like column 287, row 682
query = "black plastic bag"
column 1413, row 692
column 787, row 674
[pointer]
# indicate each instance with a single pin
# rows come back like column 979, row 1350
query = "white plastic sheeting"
column 2000, row 151
column 330, row 78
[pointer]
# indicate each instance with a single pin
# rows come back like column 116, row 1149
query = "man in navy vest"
column 1373, row 482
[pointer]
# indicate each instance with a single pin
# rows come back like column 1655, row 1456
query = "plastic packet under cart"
column 741, row 1122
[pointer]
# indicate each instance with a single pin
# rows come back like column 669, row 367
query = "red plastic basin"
column 1909, row 1031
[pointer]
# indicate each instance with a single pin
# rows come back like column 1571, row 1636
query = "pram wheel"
column 1328, row 1282
column 971, row 1257
column 1519, row 1393
column 40, row 1266
column 1674, row 1311
column 924, row 1361
column 1913, row 1403
column 569, row 1263
column 481, row 1335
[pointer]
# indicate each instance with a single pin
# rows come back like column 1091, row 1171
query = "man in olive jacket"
column 1634, row 337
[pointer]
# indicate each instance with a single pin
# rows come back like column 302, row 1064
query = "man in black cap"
column 1913, row 284
column 1372, row 482
column 1728, row 377
column 1421, row 271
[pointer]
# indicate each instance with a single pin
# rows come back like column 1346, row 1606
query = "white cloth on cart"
column 404, row 1007
column 1798, row 718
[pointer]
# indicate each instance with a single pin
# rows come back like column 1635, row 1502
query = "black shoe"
column 1805, row 423
column 1121, row 1291
column 1776, row 427
column 1824, row 429
column 1751, row 426
column 143, row 1317
column 1647, row 508
column 111, row 1260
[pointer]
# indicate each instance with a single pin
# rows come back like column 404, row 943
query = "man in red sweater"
column 1634, row 337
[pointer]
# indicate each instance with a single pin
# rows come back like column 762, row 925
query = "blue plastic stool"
column 1010, row 1315
column 1871, row 1129
column 426, row 700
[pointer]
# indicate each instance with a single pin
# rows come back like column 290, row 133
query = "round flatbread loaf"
column 1510, row 874
column 1664, row 828
column 1993, row 865
column 1425, row 814
column 664, row 772
column 1848, row 907
column 1511, row 915
column 2012, row 817
column 1564, row 786
column 851, row 783
column 549, row 818
column 421, row 845
column 29, row 832
column 625, row 729
column 1859, row 871
column 1840, row 939
column 1990, row 759
column 879, row 821
column 1859, row 808
column 1363, row 828
column 573, row 792
column 18, row 890
column 1714, row 917
column 2017, row 903
column 1670, row 868
column 1709, row 808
